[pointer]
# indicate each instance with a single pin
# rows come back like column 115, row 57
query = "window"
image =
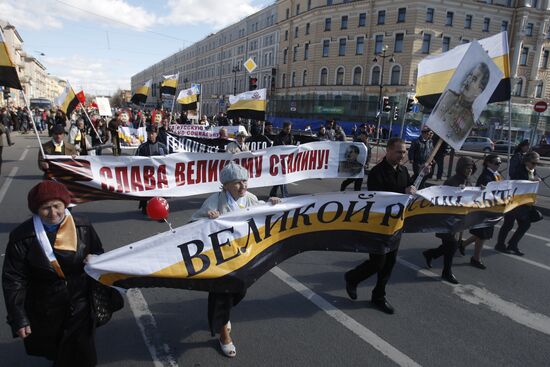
column 375, row 76
column 426, row 43
column 307, row 28
column 357, row 75
column 360, row 45
column 544, row 62
column 328, row 22
column 304, row 78
column 286, row 35
column 297, row 9
column 538, row 90
column 344, row 22
column 324, row 76
column 285, row 55
column 381, row 17
column 401, row 14
column 287, row 13
column 342, row 47
column 468, row 22
column 518, row 88
column 504, row 26
column 398, row 45
column 296, row 32
column 306, row 51
column 486, row 23
column 446, row 44
column 395, row 75
column 293, row 79
column 449, row 19
column 308, row 4
column 378, row 41
column 529, row 29
column 295, row 53
column 340, row 76
column 283, row 81
column 523, row 57
column 430, row 15
column 362, row 20
column 326, row 45
column 329, row 2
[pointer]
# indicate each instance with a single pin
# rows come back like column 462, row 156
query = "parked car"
column 478, row 144
column 501, row 146
column 543, row 150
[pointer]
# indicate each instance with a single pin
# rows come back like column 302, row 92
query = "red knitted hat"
column 46, row 191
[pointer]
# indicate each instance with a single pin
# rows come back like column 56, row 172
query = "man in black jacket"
column 420, row 150
column 283, row 138
column 388, row 175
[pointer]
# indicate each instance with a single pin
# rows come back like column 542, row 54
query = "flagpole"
column 90, row 120
column 31, row 116
column 509, row 153
column 174, row 100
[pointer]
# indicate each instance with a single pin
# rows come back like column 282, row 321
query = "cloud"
column 213, row 12
column 44, row 14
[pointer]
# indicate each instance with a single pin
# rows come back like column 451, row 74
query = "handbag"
column 105, row 301
column 535, row 215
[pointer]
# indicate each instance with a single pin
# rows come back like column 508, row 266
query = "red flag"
column 81, row 97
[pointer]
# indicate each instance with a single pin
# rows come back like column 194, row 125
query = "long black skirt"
column 219, row 308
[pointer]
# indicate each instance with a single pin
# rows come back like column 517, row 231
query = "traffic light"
column 252, row 83
column 396, row 113
column 410, row 104
column 386, row 104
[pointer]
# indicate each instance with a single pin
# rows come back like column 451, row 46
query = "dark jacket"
column 383, row 177
column 516, row 162
column 35, row 295
column 520, row 173
column 420, row 151
column 49, row 149
column 485, row 177
column 149, row 149
column 284, row 139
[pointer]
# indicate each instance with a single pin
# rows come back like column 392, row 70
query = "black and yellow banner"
column 68, row 100
column 233, row 251
column 8, row 72
column 142, row 92
column 250, row 105
column 169, row 84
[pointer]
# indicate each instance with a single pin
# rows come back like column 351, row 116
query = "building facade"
column 327, row 59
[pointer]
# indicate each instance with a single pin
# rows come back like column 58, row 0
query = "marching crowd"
column 49, row 298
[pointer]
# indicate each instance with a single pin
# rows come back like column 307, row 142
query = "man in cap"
column 152, row 147
column 56, row 146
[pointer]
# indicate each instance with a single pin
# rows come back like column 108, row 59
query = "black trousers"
column 1, row 148
column 219, row 308
column 521, row 215
column 440, row 161
column 447, row 249
column 357, row 184
column 380, row 264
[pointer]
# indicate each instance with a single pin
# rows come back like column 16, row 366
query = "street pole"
column 381, row 85
column 235, row 70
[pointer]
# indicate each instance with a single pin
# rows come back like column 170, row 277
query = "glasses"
column 498, row 163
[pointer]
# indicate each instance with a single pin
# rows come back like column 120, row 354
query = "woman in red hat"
column 45, row 287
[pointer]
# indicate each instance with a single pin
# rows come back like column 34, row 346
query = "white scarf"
column 234, row 205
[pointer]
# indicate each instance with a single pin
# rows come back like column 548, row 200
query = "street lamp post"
column 383, row 56
column 235, row 70
column 185, row 81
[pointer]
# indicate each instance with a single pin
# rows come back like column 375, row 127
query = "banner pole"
column 31, row 116
column 90, row 120
column 421, row 175
column 509, row 153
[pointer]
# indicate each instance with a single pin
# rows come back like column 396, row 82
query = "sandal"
column 228, row 349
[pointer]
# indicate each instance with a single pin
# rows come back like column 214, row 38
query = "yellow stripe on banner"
column 188, row 99
column 68, row 99
column 173, row 83
column 143, row 90
column 435, row 83
column 5, row 59
column 178, row 270
column 249, row 104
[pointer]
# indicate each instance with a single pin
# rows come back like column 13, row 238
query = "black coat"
column 35, row 295
column 485, row 177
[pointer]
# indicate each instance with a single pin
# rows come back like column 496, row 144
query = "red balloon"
column 157, row 208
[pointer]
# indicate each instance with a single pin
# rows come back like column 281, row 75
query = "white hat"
column 233, row 172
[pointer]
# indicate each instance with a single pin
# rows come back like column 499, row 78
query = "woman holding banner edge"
column 233, row 197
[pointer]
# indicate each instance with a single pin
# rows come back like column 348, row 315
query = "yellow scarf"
column 65, row 238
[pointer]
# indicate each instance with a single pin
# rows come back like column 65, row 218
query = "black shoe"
column 514, row 251
column 501, row 248
column 428, row 259
column 383, row 305
column 461, row 248
column 449, row 277
column 351, row 289
column 477, row 264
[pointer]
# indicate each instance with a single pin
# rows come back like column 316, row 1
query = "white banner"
column 201, row 131
column 103, row 106
column 186, row 174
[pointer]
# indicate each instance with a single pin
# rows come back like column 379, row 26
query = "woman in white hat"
column 238, row 145
column 233, row 196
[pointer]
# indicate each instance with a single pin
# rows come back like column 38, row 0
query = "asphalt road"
column 299, row 314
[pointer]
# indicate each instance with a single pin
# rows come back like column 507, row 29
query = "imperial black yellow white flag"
column 233, row 251
column 169, row 84
column 141, row 93
column 68, row 100
column 249, row 105
column 435, row 72
column 8, row 72
column 188, row 98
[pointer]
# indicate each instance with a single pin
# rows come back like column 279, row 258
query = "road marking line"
column 548, row 244
column 9, row 179
column 529, row 234
column 160, row 351
column 519, row 258
column 374, row 340
column 24, row 154
column 476, row 296
column 294, row 184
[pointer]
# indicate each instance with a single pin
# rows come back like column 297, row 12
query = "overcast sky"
column 98, row 45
